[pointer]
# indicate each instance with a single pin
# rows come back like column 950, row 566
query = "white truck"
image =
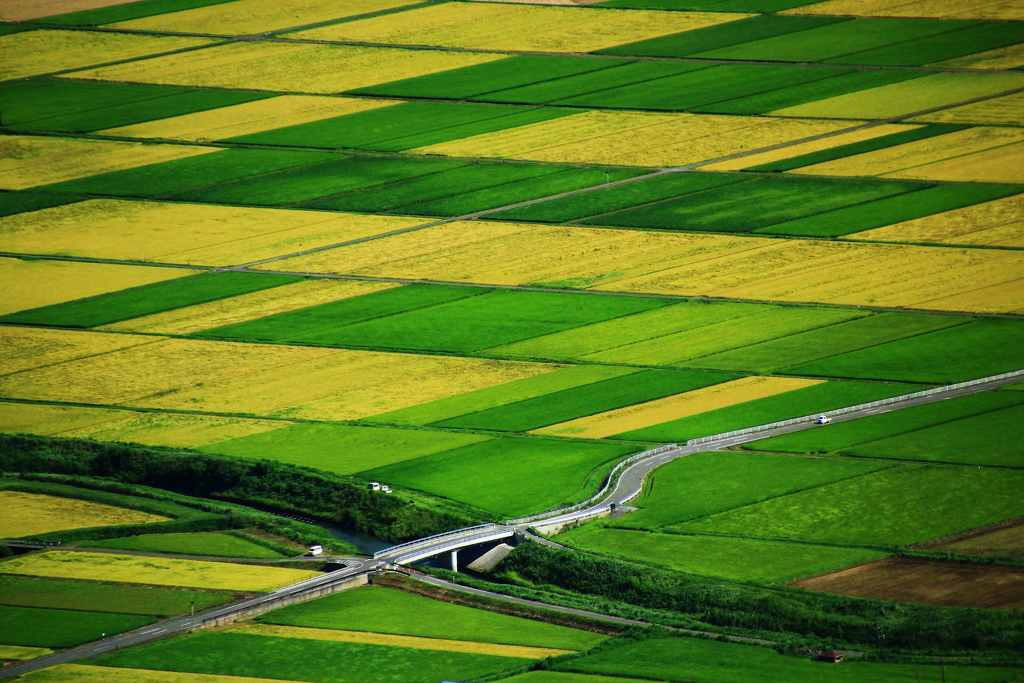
column 823, row 420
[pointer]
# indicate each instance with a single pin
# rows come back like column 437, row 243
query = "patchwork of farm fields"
column 480, row 252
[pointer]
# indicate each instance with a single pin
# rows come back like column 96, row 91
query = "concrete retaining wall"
column 285, row 600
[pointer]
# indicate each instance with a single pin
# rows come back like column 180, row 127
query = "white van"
column 316, row 550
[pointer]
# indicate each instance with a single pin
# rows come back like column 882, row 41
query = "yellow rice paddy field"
column 23, row 10
column 693, row 265
column 387, row 639
column 807, row 147
column 1000, row 165
column 152, row 429
column 908, row 97
column 293, row 68
column 634, row 139
column 277, row 380
column 940, row 9
column 31, row 514
column 247, row 118
column 30, row 284
column 995, row 223
column 517, row 27
column 24, row 348
column 1000, row 111
column 244, row 17
column 675, row 407
column 31, row 53
column 1008, row 57
column 913, row 158
column 28, row 161
column 183, row 233
column 249, row 306
column 83, row 673
column 21, row 653
column 157, row 571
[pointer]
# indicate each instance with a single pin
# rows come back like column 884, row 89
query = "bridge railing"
column 610, row 481
column 430, row 539
column 434, row 548
column 853, row 409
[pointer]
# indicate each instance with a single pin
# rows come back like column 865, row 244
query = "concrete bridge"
column 450, row 543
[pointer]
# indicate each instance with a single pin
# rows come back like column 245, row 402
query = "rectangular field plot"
column 76, row 107
column 155, row 571
column 60, row 628
column 907, row 97
column 693, row 660
column 512, row 476
column 245, row 17
column 948, row 584
column 33, row 284
column 286, row 67
column 343, row 449
column 139, row 301
column 504, row 394
column 474, row 323
column 402, row 126
column 890, row 210
column 182, row 233
column 730, row 558
column 516, row 27
column 796, row 403
column 675, row 407
column 630, row 329
column 31, row 514
column 247, row 118
column 302, row 382
column 994, row 438
column 13, row 203
column 995, row 223
column 598, row 397
column 1005, row 541
column 508, row 73
column 706, row 483
column 855, row 435
column 976, row 9
column 246, row 307
column 766, row 201
column 202, row 544
column 900, row 506
column 44, row 51
column 826, row 341
column 98, row 12
column 978, row 349
column 383, row 610
column 87, row 596
column 31, row 161
column 632, row 138
column 229, row 654
column 998, row 111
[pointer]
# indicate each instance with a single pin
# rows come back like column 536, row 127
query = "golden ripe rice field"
column 940, row 9
column 30, row 284
column 24, row 348
column 84, row 673
column 1009, row 57
column 634, row 139
column 183, row 233
column 31, row 514
column 908, row 97
column 28, row 161
column 31, row 53
column 390, row 640
column 285, row 67
column 996, row 223
column 998, row 111
column 247, row 118
column 501, row 26
column 244, row 17
column 271, row 380
column 157, row 571
column 23, row 10
column 249, row 306
column 674, row 407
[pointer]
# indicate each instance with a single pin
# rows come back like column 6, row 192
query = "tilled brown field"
column 926, row 582
column 1006, row 541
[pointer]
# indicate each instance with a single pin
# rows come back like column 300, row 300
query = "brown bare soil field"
column 927, row 582
column 1005, row 541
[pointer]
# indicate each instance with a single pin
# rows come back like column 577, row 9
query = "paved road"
column 631, row 480
column 175, row 625
column 177, row 556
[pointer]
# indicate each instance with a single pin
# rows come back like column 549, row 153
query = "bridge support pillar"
column 455, row 560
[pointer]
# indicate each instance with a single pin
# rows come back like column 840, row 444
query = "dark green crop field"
column 213, row 545
column 59, row 628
